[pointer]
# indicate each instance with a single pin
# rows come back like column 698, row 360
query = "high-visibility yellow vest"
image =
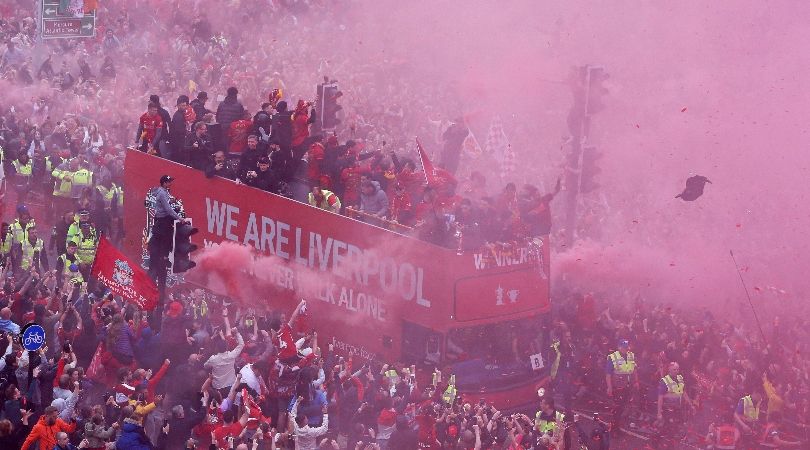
column 66, row 264
column 23, row 170
column 18, row 232
column 623, row 365
column 325, row 203
column 109, row 195
column 449, row 395
column 547, row 426
column 63, row 186
column 86, row 252
column 75, row 231
column 674, row 392
column 81, row 179
column 750, row 411
column 28, row 251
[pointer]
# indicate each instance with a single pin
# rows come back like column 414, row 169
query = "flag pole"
column 421, row 151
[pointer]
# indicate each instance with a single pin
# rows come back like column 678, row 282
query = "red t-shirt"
column 150, row 124
column 239, row 134
column 286, row 344
column 316, row 156
column 222, row 432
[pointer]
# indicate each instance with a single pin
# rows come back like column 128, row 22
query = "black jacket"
column 224, row 172
column 282, row 129
column 229, row 110
column 249, row 160
column 262, row 120
column 167, row 118
column 199, row 109
column 201, row 154
column 266, row 181
column 177, row 131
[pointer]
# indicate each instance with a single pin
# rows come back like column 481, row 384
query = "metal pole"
column 750, row 303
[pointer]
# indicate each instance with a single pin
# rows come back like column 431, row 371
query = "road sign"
column 73, row 21
column 32, row 337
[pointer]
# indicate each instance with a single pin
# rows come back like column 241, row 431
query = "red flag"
column 427, row 166
column 434, row 176
column 123, row 278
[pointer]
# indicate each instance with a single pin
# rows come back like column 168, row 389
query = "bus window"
column 420, row 345
column 493, row 356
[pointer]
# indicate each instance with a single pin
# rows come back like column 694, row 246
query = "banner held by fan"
column 124, row 278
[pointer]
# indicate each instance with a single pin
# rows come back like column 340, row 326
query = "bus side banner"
column 359, row 269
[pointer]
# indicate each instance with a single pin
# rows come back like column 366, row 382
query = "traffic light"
column 183, row 247
column 330, row 93
column 596, row 89
column 589, row 170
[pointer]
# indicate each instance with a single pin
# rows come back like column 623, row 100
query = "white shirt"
column 306, row 437
column 222, row 365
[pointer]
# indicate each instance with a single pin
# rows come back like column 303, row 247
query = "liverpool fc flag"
column 122, row 277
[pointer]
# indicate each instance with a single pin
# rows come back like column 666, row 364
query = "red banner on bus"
column 361, row 271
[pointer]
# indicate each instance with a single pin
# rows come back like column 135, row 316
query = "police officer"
column 81, row 178
column 86, row 251
column 620, row 374
column 671, row 399
column 63, row 188
column 22, row 176
column 33, row 251
column 20, row 226
column 64, row 262
column 546, row 419
column 746, row 415
column 75, row 228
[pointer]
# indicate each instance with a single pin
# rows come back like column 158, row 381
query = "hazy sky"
column 715, row 88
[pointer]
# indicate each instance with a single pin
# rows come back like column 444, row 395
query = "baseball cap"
column 166, row 179
column 22, row 209
column 624, row 343
column 264, row 160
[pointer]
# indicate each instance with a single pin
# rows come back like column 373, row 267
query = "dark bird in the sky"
column 694, row 188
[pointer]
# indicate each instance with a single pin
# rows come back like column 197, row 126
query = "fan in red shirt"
column 300, row 125
column 351, row 178
column 238, row 133
column 149, row 128
column 284, row 341
column 402, row 210
column 315, row 157
column 231, row 428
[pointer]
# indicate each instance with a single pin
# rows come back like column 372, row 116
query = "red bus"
column 382, row 295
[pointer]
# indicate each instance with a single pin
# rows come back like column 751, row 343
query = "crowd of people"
column 213, row 374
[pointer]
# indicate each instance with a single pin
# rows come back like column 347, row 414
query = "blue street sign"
column 32, row 337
